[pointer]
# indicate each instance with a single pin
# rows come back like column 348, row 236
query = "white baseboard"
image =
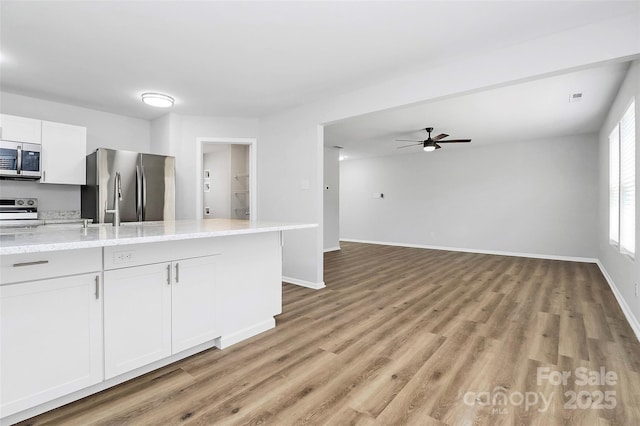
column 479, row 251
column 631, row 319
column 303, row 283
column 332, row 249
column 227, row 340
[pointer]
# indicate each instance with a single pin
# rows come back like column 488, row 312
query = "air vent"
column 575, row 97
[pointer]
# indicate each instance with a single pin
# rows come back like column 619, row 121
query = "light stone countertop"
column 67, row 237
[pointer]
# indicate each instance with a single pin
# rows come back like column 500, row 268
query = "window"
column 622, row 183
column 614, row 185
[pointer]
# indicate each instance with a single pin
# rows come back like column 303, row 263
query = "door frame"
column 253, row 181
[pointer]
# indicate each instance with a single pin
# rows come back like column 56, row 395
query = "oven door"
column 9, row 158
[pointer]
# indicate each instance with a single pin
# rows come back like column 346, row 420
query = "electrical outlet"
column 122, row 257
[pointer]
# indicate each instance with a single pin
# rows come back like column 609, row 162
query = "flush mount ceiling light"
column 157, row 100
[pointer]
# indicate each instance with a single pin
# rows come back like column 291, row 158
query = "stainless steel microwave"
column 20, row 160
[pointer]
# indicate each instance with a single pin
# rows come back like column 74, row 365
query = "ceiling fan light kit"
column 429, row 144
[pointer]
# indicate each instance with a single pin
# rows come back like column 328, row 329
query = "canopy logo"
column 500, row 398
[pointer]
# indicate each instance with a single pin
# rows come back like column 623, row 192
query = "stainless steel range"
column 18, row 208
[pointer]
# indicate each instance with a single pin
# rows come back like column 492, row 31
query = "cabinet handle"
column 177, row 272
column 169, row 274
column 37, row 262
column 97, row 287
column 44, row 175
column 19, row 165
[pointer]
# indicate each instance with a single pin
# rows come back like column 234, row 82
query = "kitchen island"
column 84, row 309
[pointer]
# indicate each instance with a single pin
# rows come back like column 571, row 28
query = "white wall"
column 184, row 130
column 290, row 190
column 217, row 199
column 103, row 130
column 331, row 217
column 160, row 142
column 291, row 149
column 534, row 197
column 622, row 269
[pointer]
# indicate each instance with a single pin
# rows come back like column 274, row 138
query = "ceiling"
column 526, row 111
column 252, row 58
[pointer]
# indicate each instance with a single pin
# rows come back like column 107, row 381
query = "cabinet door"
column 20, row 129
column 64, row 151
column 193, row 302
column 50, row 341
column 137, row 317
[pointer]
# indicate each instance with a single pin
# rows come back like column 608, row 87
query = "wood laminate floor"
column 406, row 336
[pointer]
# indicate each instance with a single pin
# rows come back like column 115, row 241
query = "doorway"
column 226, row 179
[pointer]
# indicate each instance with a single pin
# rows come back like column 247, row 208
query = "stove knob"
column 20, row 202
column 30, row 202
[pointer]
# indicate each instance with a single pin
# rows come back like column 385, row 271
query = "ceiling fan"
column 431, row 144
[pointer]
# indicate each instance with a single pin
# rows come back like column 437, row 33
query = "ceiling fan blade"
column 413, row 144
column 440, row 136
column 438, row 146
column 408, row 140
column 456, row 141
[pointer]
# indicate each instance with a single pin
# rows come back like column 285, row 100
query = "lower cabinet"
column 137, row 317
column 51, row 339
column 62, row 334
column 153, row 311
column 193, row 297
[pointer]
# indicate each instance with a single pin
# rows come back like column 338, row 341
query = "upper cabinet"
column 64, row 147
column 20, row 129
column 64, row 150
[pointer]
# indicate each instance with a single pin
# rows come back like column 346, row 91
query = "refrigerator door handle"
column 144, row 194
column 138, row 194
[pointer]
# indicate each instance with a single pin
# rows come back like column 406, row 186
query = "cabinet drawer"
column 34, row 266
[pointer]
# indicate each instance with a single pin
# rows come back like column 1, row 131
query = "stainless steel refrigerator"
column 147, row 186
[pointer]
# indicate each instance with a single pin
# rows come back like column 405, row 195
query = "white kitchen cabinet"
column 137, row 317
column 152, row 311
column 64, row 150
column 50, row 341
column 193, row 302
column 20, row 129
